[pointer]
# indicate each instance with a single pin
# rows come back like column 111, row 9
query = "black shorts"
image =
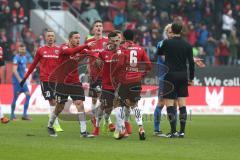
column 130, row 91
column 48, row 90
column 95, row 88
column 179, row 80
column 107, row 98
column 63, row 91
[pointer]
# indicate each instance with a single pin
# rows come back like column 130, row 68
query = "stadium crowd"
column 210, row 25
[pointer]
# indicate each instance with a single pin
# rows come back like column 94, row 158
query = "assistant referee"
column 177, row 53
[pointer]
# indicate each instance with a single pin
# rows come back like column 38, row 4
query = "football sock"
column 138, row 116
column 82, row 121
column 26, row 104
column 182, row 118
column 119, row 113
column 157, row 118
column 172, row 118
column 13, row 105
column 127, row 112
column 52, row 119
column 99, row 116
column 1, row 112
column 94, row 109
column 107, row 118
column 52, row 109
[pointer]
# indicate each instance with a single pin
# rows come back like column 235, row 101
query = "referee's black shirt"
column 177, row 52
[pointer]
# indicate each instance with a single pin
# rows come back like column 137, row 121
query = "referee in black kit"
column 177, row 54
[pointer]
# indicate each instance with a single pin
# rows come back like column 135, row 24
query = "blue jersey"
column 21, row 62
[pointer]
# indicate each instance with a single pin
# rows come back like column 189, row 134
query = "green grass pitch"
column 207, row 138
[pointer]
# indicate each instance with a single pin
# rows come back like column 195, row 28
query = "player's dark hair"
column 72, row 33
column 118, row 31
column 112, row 34
column 97, row 21
column 177, row 28
column 49, row 30
column 128, row 34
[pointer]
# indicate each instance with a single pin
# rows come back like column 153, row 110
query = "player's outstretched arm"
column 78, row 49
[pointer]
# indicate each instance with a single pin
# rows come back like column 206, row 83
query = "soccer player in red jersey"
column 47, row 57
column 68, row 83
column 130, row 70
column 3, row 119
column 96, row 74
column 108, row 95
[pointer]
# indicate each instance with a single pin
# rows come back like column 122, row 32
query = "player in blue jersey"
column 19, row 68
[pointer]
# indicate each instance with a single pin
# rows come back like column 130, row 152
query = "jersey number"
column 133, row 58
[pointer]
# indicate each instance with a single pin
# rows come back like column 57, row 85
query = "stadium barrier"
column 203, row 100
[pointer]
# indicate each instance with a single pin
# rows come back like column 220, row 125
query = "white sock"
column 107, row 118
column 119, row 113
column 138, row 116
column 127, row 112
column 52, row 109
column 99, row 116
column 1, row 113
column 51, row 120
column 94, row 109
column 82, row 121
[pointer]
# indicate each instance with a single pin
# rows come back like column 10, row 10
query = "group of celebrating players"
column 116, row 66
column 113, row 64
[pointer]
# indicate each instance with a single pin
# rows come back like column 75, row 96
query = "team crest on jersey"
column 45, row 52
column 65, row 47
column 56, row 51
column 119, row 52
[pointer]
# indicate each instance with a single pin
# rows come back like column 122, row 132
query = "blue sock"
column 26, row 104
column 13, row 105
column 157, row 118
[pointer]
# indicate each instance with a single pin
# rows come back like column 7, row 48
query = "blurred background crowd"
column 211, row 26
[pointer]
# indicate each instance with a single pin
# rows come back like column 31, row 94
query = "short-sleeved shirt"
column 21, row 62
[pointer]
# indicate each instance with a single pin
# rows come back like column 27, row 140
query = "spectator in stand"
column 209, row 48
column 119, row 19
column 29, row 39
column 233, row 47
column 223, row 50
column 5, row 43
column 228, row 23
column 192, row 35
column 5, row 16
column 90, row 14
column 203, row 35
column 19, row 19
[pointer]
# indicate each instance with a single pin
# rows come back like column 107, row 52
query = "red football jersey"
column 48, row 59
column 109, row 59
column 96, row 50
column 133, row 64
column 68, row 64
